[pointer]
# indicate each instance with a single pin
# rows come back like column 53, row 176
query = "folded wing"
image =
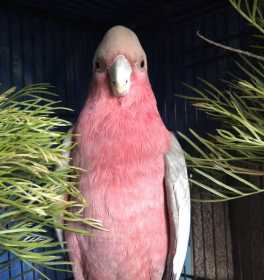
column 179, row 208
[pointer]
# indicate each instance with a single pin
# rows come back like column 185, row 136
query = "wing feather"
column 67, row 143
column 179, row 208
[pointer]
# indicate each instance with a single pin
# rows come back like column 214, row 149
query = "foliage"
column 228, row 163
column 33, row 189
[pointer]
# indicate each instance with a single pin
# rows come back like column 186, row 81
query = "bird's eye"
column 99, row 66
column 142, row 64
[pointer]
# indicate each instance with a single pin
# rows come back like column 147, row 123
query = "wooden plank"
column 229, row 246
column 209, row 244
column 197, row 240
column 240, row 220
column 257, row 241
column 220, row 241
column 212, row 248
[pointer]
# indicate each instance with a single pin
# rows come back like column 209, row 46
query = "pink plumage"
column 121, row 145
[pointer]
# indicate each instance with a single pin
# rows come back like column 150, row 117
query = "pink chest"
column 122, row 151
column 124, row 192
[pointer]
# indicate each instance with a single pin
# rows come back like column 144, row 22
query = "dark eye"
column 142, row 64
column 97, row 66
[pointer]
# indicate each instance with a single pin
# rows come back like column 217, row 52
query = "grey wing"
column 179, row 209
column 67, row 143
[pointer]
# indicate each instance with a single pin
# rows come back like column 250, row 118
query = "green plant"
column 228, row 163
column 32, row 187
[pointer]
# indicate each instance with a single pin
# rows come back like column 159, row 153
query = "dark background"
column 54, row 42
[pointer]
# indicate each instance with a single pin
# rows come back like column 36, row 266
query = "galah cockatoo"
column 135, row 177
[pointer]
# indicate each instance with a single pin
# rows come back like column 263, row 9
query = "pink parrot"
column 135, row 179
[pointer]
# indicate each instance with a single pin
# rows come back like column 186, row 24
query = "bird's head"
column 120, row 61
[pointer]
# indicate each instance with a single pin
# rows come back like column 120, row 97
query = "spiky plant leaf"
column 228, row 163
column 33, row 190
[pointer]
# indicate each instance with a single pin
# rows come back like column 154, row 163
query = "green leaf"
column 227, row 162
column 32, row 188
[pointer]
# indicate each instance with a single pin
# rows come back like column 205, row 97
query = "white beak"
column 119, row 74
